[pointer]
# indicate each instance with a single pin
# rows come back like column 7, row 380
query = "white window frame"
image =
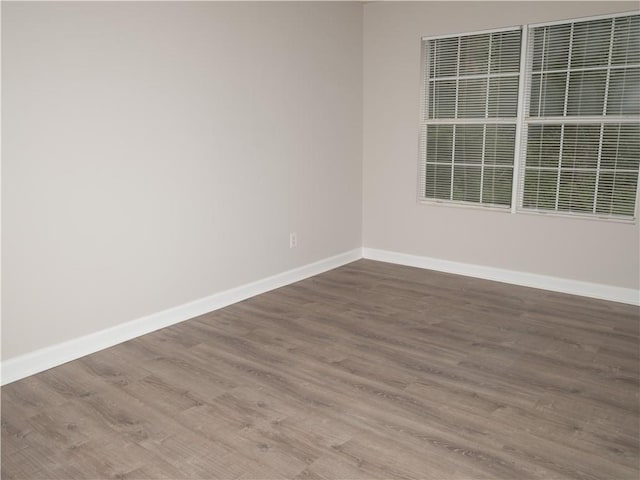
column 522, row 122
column 424, row 121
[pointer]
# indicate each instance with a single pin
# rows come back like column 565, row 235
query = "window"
column 470, row 114
column 561, row 118
column 581, row 122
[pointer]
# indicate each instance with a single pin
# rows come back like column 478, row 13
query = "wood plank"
column 371, row 370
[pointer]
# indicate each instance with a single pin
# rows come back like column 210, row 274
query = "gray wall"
column 587, row 250
column 156, row 153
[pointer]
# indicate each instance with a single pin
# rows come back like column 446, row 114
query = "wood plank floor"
column 369, row 371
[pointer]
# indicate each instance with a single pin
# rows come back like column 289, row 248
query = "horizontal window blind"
column 469, row 117
column 581, row 127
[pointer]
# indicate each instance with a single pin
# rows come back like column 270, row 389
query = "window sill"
column 542, row 213
column 466, row 205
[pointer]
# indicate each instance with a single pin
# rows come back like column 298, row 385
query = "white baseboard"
column 563, row 285
column 24, row 365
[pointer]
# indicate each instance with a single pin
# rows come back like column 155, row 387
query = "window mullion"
column 597, row 182
column 604, row 112
column 518, row 153
column 484, row 141
column 486, row 115
column 476, row 76
column 583, row 119
column 564, row 114
column 453, row 154
column 542, row 64
column 557, row 200
column 455, row 108
column 455, row 115
column 566, row 83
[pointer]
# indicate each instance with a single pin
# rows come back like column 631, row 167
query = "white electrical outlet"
column 293, row 240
